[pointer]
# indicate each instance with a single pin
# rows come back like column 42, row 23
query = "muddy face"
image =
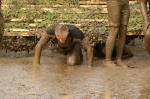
column 61, row 38
column 61, row 32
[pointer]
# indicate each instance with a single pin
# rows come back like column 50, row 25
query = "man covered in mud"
column 146, row 14
column 118, row 14
column 67, row 37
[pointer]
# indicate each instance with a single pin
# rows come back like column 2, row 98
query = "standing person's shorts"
column 118, row 12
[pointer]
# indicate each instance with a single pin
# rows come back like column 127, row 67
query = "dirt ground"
column 56, row 80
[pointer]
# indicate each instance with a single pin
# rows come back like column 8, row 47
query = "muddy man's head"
column 61, row 32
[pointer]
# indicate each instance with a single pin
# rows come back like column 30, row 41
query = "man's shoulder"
column 72, row 28
column 51, row 29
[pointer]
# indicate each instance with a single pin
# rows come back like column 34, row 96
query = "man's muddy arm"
column 38, row 49
column 90, row 56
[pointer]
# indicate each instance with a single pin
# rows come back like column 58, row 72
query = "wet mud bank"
column 56, row 80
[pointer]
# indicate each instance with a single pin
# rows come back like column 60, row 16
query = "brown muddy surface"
column 56, row 80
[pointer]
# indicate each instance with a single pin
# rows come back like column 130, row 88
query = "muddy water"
column 56, row 80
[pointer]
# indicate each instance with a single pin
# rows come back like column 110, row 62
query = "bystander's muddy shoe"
column 109, row 63
column 122, row 64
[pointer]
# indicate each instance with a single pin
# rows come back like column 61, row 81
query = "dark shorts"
column 118, row 12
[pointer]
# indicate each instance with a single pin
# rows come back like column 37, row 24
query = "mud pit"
column 56, row 80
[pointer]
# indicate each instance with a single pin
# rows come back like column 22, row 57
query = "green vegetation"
column 68, row 12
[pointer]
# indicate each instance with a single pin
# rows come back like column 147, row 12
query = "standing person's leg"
column 147, row 32
column 144, row 12
column 1, row 23
column 75, row 57
column 1, row 26
column 147, row 39
column 149, row 5
column 114, row 21
column 122, row 33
